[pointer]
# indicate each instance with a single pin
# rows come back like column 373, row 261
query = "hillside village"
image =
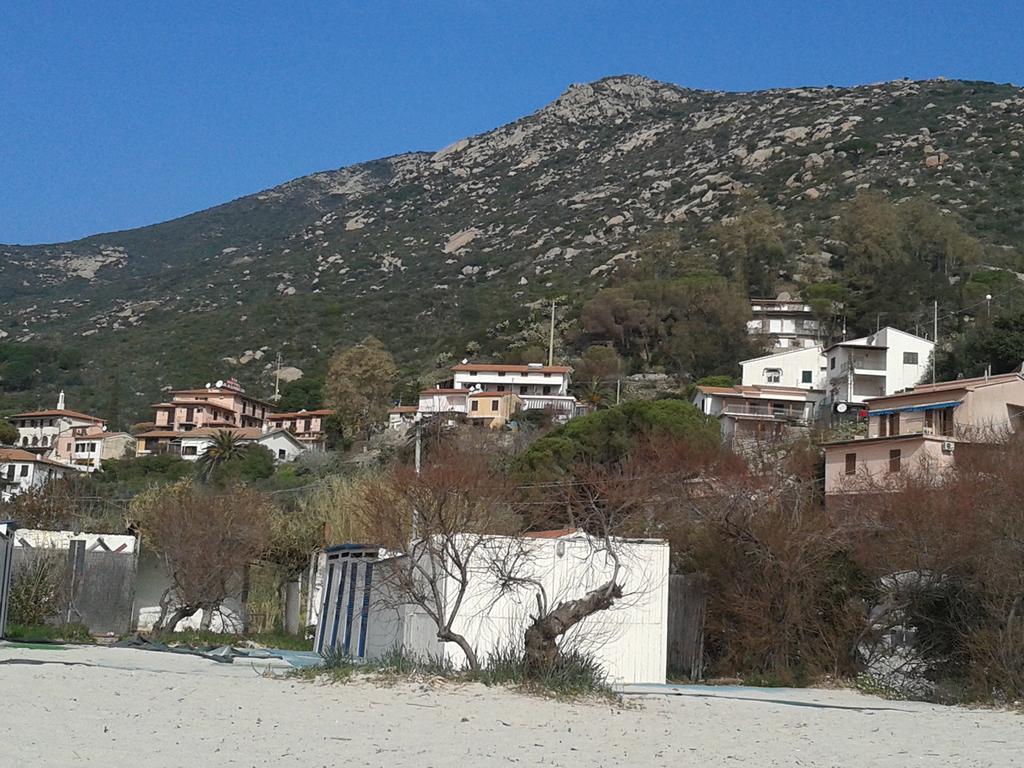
column 651, row 388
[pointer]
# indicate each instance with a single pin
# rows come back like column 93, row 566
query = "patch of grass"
column 575, row 675
column 67, row 633
column 195, row 638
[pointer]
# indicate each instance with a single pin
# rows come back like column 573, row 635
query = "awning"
column 909, row 408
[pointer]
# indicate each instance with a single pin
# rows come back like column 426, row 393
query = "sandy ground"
column 118, row 707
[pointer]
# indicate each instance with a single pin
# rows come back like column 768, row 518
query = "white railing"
column 766, row 411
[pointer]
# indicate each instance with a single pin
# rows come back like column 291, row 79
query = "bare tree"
column 607, row 502
column 435, row 524
column 206, row 540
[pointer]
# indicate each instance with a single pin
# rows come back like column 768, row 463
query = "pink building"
column 307, row 426
column 224, row 404
column 921, row 429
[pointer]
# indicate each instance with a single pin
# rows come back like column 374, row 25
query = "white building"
column 799, row 368
column 443, row 400
column 785, row 323
column 540, row 387
column 883, row 363
column 362, row 615
column 87, row 449
column 401, row 417
column 21, row 471
column 45, row 429
column 281, row 443
column 758, row 413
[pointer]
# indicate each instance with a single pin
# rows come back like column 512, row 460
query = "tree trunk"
column 292, row 601
column 452, row 637
column 168, row 623
column 207, row 620
column 542, row 635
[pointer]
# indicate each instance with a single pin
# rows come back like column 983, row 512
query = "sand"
column 120, row 707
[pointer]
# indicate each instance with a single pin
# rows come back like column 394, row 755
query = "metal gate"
column 687, row 599
column 345, row 605
column 6, row 562
column 98, row 577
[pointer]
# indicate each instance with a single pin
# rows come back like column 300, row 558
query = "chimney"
column 60, row 401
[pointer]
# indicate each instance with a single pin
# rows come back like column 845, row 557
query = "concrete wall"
column 792, row 365
column 918, row 453
column 150, row 583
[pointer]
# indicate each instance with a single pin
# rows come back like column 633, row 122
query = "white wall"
column 276, row 441
column 150, row 583
column 629, row 640
column 791, row 364
column 900, row 375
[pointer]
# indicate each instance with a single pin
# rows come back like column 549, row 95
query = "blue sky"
column 116, row 115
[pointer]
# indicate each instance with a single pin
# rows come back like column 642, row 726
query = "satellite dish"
column 220, row 383
column 842, row 407
column 208, row 385
column 465, row 360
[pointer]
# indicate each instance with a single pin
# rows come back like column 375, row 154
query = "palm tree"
column 225, row 447
column 595, row 393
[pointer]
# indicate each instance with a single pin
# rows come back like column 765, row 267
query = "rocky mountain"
column 430, row 251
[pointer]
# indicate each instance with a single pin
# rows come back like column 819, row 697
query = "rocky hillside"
column 431, row 251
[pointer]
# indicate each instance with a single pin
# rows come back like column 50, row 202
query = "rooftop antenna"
column 60, row 403
column 551, row 338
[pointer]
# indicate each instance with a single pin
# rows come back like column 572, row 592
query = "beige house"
column 307, row 426
column 756, row 413
column 921, row 429
column 493, row 409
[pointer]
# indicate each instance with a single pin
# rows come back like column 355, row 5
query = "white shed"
column 363, row 616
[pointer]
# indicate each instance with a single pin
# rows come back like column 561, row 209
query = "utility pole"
column 618, row 390
column 935, row 335
column 551, row 338
column 277, row 379
column 419, row 451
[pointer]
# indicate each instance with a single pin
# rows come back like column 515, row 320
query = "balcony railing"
column 864, row 364
column 766, row 411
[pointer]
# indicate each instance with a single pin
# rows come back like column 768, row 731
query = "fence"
column 687, row 599
column 99, row 577
column 6, row 561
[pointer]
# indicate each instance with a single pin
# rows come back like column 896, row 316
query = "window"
column 501, row 387
column 522, row 389
column 475, row 406
column 929, row 419
column 851, row 463
column 189, row 450
column 79, row 447
column 501, row 373
column 894, row 460
column 281, row 454
column 806, row 377
column 10, row 472
column 547, row 390
column 24, row 470
column 948, row 427
column 773, row 375
column 494, row 405
column 894, row 423
column 832, row 363
column 883, row 422
column 472, row 373
column 910, row 358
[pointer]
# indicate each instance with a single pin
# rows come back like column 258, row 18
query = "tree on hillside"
column 612, row 434
column 751, row 250
column 8, row 433
column 305, row 393
column 999, row 344
column 898, row 259
column 359, row 383
column 599, row 362
column 694, row 325
column 226, row 446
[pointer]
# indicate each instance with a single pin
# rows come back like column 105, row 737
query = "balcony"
column 770, row 412
column 865, row 365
